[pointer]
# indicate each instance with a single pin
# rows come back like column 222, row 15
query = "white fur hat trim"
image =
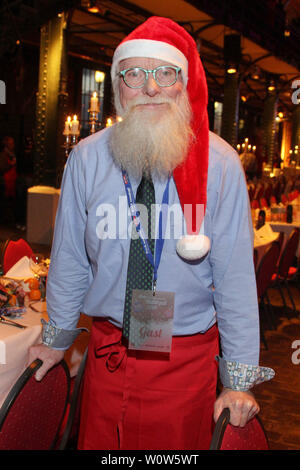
column 192, row 247
column 153, row 49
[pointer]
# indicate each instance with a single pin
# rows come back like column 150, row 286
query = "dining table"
column 15, row 343
column 263, row 238
column 286, row 228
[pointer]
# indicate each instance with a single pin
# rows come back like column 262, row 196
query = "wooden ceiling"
column 94, row 36
column 98, row 34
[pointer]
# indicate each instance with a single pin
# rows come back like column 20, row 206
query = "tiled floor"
column 280, row 398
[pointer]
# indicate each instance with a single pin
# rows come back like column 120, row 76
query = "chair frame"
column 5, row 247
column 268, row 311
column 18, row 387
column 220, row 428
column 74, row 403
column 281, row 280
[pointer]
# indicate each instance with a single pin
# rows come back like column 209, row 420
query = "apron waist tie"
column 115, row 353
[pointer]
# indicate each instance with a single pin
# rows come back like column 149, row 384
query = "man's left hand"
column 242, row 405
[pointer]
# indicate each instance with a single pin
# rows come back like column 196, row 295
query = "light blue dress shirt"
column 90, row 252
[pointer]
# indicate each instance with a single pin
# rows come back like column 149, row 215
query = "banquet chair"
column 3, row 245
column 293, row 195
column 229, row 437
column 264, row 273
column 251, row 192
column 285, row 270
column 280, row 240
column 268, row 193
column 254, row 204
column 255, row 258
column 70, row 426
column 13, row 252
column 263, row 203
column 32, row 412
column 260, row 188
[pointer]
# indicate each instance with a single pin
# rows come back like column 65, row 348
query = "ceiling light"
column 271, row 86
column 256, row 74
column 91, row 6
column 231, row 70
column 94, row 9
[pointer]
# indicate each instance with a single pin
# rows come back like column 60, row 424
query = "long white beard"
column 152, row 141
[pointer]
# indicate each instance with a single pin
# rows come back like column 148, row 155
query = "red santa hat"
column 162, row 38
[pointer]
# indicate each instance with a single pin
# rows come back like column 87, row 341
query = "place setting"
column 23, row 287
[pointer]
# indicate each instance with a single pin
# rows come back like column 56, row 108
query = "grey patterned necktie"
column 140, row 270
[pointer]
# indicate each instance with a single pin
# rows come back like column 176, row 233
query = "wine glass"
column 38, row 266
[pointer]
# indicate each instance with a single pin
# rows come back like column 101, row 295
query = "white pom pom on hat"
column 193, row 247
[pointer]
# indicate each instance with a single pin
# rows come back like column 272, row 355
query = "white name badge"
column 151, row 321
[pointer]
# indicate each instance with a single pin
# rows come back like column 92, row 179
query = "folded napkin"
column 21, row 270
column 265, row 233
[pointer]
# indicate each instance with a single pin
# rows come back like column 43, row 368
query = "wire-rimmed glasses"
column 164, row 76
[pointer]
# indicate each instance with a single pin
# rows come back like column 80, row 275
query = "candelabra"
column 294, row 157
column 93, row 121
column 71, row 133
column 246, row 147
column 93, row 113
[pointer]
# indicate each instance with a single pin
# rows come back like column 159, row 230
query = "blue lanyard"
column 161, row 227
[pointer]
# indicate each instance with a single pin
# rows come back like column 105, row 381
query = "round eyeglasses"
column 164, row 75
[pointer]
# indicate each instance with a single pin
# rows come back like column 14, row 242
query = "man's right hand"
column 49, row 356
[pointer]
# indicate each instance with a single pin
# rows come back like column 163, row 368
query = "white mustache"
column 145, row 100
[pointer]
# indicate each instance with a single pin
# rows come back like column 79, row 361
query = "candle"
column 94, row 103
column 109, row 122
column 67, row 126
column 75, row 126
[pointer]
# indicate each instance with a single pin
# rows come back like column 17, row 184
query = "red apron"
column 135, row 400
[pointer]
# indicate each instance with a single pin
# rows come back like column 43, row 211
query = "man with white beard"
column 158, row 303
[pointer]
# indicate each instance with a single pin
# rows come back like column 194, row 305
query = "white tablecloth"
column 263, row 239
column 287, row 229
column 15, row 342
column 14, row 345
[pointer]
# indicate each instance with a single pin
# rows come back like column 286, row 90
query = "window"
column 218, row 109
